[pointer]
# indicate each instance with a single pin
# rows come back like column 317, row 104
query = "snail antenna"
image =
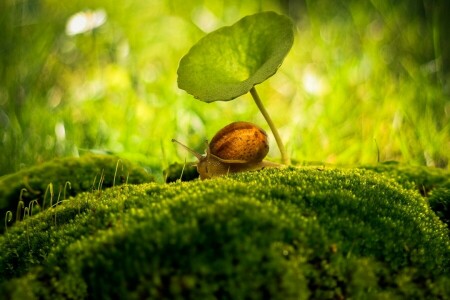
column 196, row 154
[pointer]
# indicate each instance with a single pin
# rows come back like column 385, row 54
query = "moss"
column 185, row 172
column 279, row 234
column 440, row 203
column 431, row 183
column 79, row 172
column 423, row 179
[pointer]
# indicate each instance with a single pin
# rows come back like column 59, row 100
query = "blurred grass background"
column 365, row 81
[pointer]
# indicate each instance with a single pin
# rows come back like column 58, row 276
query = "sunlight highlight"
column 85, row 21
column 312, row 83
column 205, row 19
column 60, row 131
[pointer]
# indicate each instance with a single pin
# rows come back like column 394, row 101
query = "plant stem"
column 284, row 156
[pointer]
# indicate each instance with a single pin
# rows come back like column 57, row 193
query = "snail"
column 238, row 147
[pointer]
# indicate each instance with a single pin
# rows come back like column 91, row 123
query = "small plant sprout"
column 19, row 210
column 47, row 190
column 115, row 173
column 230, row 61
column 57, row 202
column 26, row 215
column 67, row 184
column 20, row 205
column 30, row 208
column 182, row 171
column 100, row 182
column 93, row 183
column 8, row 218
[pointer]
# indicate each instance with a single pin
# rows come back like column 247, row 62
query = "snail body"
column 238, row 147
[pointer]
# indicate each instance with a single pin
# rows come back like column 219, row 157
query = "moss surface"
column 423, row 179
column 274, row 234
column 431, row 183
column 83, row 174
column 183, row 172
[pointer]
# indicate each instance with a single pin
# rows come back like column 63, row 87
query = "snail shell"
column 240, row 141
column 239, row 146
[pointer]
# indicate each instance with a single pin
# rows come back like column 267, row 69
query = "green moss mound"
column 431, row 183
column 423, row 179
column 82, row 174
column 275, row 234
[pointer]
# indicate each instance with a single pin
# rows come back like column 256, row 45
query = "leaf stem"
column 284, row 156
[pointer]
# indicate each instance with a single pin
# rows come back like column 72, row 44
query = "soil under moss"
column 320, row 233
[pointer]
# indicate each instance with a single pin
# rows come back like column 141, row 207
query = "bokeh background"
column 365, row 82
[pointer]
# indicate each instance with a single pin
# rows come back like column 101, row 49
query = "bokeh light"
column 364, row 82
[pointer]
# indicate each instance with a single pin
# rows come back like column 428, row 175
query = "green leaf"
column 228, row 62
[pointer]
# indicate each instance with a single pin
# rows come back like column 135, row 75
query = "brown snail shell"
column 240, row 141
column 239, row 146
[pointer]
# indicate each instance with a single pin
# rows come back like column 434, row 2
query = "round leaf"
column 228, row 62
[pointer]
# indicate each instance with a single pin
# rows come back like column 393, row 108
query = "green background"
column 365, row 81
